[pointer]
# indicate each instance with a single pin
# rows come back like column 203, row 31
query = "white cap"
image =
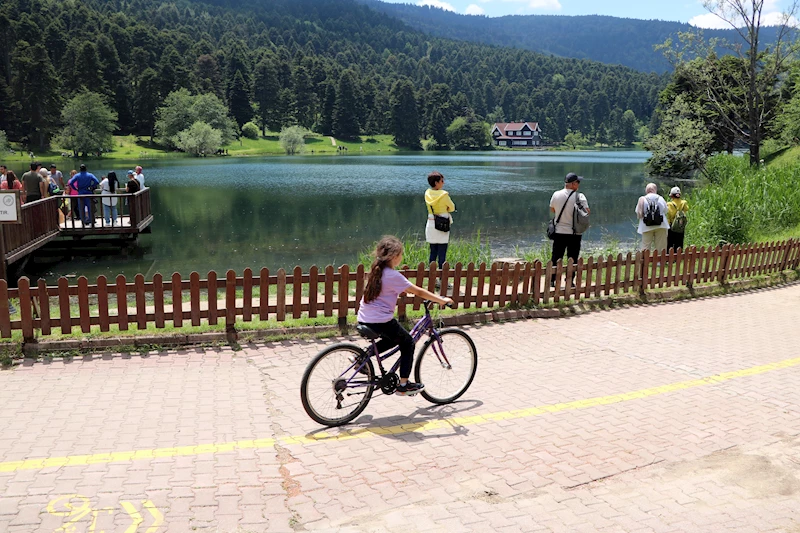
column 675, row 191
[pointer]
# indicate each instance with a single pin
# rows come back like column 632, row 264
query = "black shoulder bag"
column 439, row 222
column 551, row 226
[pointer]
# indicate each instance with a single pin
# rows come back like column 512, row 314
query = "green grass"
column 416, row 251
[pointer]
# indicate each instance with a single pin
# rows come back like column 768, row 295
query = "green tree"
column 265, row 92
column 89, row 124
column 682, row 145
column 207, row 75
column 328, row 106
column 239, row 100
column 304, row 97
column 469, row 133
column 628, row 127
column 181, row 110
column 573, row 139
column 199, row 139
column 146, row 99
column 4, row 146
column 345, row 112
column 292, row 139
column 250, row 131
column 35, row 89
column 405, row 116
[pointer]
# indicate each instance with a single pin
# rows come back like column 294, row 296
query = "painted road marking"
column 76, row 507
column 359, row 433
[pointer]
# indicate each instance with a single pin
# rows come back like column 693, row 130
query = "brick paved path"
column 600, row 422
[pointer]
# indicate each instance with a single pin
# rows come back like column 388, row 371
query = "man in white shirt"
column 140, row 177
column 649, row 208
column 562, row 207
column 3, row 172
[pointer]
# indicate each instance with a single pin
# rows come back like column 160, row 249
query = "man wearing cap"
column 85, row 183
column 674, row 206
column 563, row 203
column 653, row 236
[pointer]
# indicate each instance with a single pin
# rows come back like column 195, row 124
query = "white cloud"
column 473, row 9
column 437, row 3
column 709, row 21
column 771, row 15
column 545, row 5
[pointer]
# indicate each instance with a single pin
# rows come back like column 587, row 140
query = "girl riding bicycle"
column 378, row 304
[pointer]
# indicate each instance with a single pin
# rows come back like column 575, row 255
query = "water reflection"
column 281, row 212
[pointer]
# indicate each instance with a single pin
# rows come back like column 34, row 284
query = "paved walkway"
column 670, row 418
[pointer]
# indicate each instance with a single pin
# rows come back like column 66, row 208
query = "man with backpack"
column 676, row 217
column 652, row 212
column 563, row 209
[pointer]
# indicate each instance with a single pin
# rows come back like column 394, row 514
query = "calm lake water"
column 286, row 211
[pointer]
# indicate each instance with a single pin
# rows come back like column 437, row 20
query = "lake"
column 278, row 212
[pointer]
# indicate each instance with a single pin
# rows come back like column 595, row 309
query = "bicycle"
column 344, row 371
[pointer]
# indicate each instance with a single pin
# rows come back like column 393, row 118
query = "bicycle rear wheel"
column 333, row 391
column 446, row 370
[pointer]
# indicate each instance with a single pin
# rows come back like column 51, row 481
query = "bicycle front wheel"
column 446, row 369
column 333, row 390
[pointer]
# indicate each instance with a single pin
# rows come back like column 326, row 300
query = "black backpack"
column 652, row 214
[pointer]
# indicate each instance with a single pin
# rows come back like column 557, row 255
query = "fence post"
column 230, row 307
column 722, row 270
column 344, row 296
column 26, row 310
column 643, row 277
column 787, row 250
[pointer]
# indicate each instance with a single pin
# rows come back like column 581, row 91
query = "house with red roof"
column 517, row 134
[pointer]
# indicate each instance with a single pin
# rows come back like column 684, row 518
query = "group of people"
column 661, row 223
column 39, row 183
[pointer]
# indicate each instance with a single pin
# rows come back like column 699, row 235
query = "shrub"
column 200, row 138
column 250, row 131
column 292, row 140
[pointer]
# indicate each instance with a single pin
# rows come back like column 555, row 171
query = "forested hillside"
column 612, row 40
column 333, row 65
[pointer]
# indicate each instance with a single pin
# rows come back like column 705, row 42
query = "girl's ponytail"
column 387, row 249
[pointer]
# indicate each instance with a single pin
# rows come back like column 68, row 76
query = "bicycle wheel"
column 446, row 371
column 333, row 392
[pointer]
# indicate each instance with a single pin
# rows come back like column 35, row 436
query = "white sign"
column 9, row 207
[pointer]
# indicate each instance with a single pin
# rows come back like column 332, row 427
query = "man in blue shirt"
column 85, row 182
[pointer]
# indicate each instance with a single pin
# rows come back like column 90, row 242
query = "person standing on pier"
column 33, row 185
column 85, row 182
column 140, row 177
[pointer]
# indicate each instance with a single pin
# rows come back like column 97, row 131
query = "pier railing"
column 39, row 224
column 179, row 302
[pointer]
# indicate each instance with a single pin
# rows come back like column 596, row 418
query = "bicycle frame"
column 423, row 325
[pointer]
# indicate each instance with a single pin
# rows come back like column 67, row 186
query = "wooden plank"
column 122, row 303
column 630, row 269
column 63, row 306
column 297, row 292
column 194, row 297
column 158, row 300
column 313, row 287
column 177, row 301
column 525, row 295
column 645, row 271
column 598, row 284
column 102, row 304
column 609, row 267
column 141, row 304
column 26, row 308
column 433, row 275
column 589, row 271
column 468, row 299
column 344, row 290
column 83, row 304
column 5, row 312
column 458, row 274
column 403, row 298
column 211, row 291
column 617, row 273
column 263, row 293
column 579, row 271
column 281, row 314
column 546, row 288
column 361, row 279
column 479, row 300
column 559, row 268
column 445, row 279
column 503, row 282
column 420, row 283
column 329, row 290
column 44, row 307
column 568, row 278
column 536, row 281
column 247, row 295
column 230, row 300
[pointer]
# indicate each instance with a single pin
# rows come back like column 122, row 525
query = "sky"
column 691, row 11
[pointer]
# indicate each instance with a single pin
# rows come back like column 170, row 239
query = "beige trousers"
column 655, row 238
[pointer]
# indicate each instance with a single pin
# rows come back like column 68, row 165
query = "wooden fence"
column 334, row 292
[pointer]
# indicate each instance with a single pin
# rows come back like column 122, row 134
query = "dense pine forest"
column 335, row 66
column 613, row 40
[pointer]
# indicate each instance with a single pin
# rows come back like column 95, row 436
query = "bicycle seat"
column 366, row 332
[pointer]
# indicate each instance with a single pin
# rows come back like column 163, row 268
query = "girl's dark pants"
column 438, row 252
column 393, row 334
column 674, row 240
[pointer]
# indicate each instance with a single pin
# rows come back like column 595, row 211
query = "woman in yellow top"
column 676, row 228
column 438, row 202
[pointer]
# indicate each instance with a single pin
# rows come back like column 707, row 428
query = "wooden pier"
column 42, row 223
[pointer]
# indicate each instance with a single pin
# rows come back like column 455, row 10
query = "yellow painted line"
column 411, row 427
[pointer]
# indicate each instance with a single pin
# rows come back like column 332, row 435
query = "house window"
column 526, row 133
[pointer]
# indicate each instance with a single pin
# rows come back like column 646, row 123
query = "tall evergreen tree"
column 146, row 101
column 207, row 75
column 36, row 90
column 305, row 100
column 172, row 73
column 405, row 116
column 345, row 112
column 328, row 106
column 239, row 100
column 266, row 90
